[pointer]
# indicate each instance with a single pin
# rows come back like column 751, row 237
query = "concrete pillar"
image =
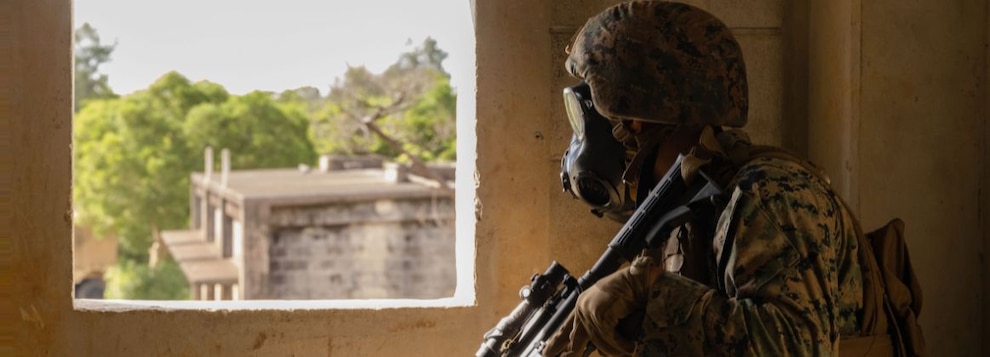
column 224, row 167
column 205, row 292
column 227, row 235
column 207, row 228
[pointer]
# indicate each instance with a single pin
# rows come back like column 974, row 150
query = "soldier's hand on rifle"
column 597, row 314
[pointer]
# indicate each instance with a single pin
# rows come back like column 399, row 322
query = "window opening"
column 336, row 176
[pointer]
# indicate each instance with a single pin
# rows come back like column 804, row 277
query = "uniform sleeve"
column 776, row 286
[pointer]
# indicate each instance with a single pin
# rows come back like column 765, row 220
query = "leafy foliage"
column 131, row 280
column 132, row 163
column 258, row 132
column 411, row 102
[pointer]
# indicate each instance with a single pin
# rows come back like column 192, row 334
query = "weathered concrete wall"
column 933, row 51
column 35, row 174
column 362, row 250
column 921, row 155
column 985, row 193
column 898, row 117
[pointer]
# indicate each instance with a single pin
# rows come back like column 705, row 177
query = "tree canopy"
column 258, row 131
column 411, row 102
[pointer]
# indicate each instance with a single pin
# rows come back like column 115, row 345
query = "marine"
column 782, row 268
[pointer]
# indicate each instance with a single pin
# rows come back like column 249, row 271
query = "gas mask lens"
column 573, row 102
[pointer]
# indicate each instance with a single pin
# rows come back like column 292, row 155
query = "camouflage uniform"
column 785, row 278
column 790, row 282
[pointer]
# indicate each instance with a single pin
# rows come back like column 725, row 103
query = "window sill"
column 267, row 305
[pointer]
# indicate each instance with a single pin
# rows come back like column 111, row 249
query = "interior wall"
column 833, row 54
column 897, row 108
column 512, row 128
column 36, row 108
column 985, row 197
column 921, row 152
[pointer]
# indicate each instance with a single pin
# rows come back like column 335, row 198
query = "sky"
column 248, row 45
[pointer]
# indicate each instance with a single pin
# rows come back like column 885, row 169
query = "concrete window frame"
column 507, row 244
column 464, row 294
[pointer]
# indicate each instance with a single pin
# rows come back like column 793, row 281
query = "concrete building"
column 890, row 96
column 355, row 228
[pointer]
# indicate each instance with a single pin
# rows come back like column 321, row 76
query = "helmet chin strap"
column 639, row 146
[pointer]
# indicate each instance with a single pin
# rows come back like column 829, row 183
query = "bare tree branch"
column 418, row 166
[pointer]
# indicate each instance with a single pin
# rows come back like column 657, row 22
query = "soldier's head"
column 647, row 69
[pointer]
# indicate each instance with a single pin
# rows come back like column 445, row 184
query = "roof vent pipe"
column 207, row 164
column 325, row 163
column 395, row 172
column 224, row 166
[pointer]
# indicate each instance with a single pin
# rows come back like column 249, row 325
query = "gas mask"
column 592, row 167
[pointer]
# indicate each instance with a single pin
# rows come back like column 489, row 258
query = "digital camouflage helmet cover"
column 661, row 62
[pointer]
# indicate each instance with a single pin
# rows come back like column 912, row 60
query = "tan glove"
column 599, row 309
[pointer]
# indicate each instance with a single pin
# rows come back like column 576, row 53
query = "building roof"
column 294, row 184
column 199, row 260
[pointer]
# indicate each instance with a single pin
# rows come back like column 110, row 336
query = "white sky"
column 272, row 45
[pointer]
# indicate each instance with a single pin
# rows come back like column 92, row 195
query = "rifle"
column 550, row 297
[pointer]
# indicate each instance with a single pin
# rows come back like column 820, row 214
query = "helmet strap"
column 641, row 146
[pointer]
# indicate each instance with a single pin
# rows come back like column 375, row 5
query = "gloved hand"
column 599, row 309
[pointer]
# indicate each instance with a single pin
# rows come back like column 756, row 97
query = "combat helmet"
column 661, row 62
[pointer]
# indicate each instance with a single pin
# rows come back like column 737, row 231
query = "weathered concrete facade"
column 889, row 96
column 351, row 230
column 397, row 249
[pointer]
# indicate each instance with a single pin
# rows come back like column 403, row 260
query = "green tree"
column 131, row 280
column 132, row 162
column 134, row 156
column 90, row 53
column 428, row 126
column 406, row 113
column 258, row 131
column 429, row 55
column 305, row 99
column 338, row 127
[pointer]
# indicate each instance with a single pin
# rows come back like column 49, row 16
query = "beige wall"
column 845, row 74
column 922, row 119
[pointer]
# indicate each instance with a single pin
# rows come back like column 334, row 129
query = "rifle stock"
column 551, row 296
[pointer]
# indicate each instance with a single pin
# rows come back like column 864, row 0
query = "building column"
column 205, row 292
